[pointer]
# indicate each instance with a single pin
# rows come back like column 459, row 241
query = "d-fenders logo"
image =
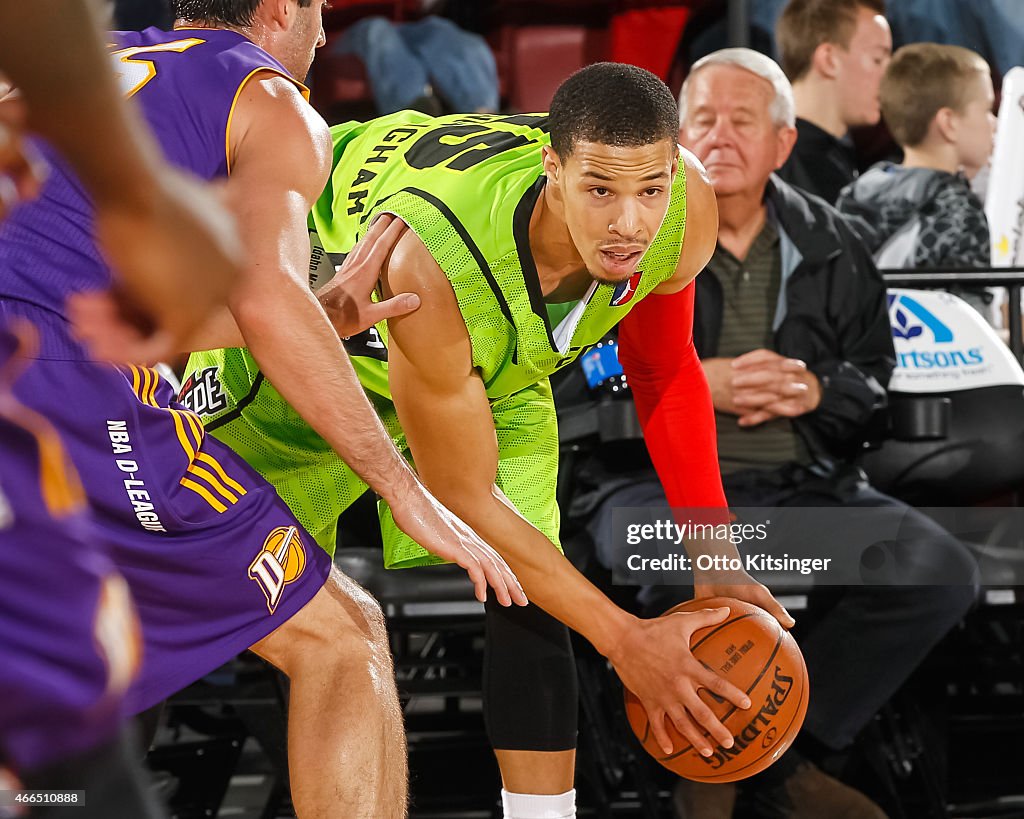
column 281, row 561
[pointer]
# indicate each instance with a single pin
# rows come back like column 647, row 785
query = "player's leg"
column 532, row 727
column 343, row 710
column 346, row 741
column 68, row 634
column 530, row 690
column 530, row 707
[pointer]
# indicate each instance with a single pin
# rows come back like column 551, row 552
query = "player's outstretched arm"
column 279, row 165
column 446, row 415
column 672, row 396
column 172, row 245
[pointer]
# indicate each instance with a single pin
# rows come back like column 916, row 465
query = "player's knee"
column 342, row 626
column 530, row 686
column 355, row 611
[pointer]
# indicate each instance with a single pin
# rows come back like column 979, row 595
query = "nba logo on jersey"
column 280, row 561
column 624, row 291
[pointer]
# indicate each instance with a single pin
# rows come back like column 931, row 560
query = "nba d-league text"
column 663, row 531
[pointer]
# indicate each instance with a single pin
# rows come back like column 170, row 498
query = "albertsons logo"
column 910, row 320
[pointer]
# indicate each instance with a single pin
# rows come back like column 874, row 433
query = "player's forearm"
column 220, row 330
column 73, row 97
column 300, row 354
column 548, row 578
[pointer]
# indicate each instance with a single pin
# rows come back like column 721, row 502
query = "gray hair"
column 783, row 109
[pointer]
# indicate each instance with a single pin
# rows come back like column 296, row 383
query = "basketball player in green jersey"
column 529, row 238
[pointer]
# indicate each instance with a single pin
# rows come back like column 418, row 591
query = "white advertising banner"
column 942, row 345
column 1004, row 201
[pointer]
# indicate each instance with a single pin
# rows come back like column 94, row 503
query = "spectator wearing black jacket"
column 835, row 53
column 792, row 330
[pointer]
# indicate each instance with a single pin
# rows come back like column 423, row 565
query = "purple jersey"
column 187, row 82
column 68, row 635
column 214, row 558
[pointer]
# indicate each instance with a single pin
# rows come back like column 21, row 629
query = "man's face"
column 729, row 128
column 303, row 39
column 615, row 200
column 860, row 66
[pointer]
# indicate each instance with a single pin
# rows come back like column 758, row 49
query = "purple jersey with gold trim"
column 186, row 82
column 214, row 559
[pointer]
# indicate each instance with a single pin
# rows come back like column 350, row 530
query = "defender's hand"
column 436, row 529
column 346, row 297
column 654, row 662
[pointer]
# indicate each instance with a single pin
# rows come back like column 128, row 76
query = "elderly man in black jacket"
column 792, row 330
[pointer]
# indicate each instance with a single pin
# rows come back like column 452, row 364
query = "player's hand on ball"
column 175, row 260
column 440, row 531
column 748, row 590
column 654, row 662
column 347, row 297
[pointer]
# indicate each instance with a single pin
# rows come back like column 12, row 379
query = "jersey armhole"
column 238, row 93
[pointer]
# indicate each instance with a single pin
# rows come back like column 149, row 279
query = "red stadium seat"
column 535, row 59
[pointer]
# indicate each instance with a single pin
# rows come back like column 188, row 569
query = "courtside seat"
column 955, row 432
column 340, row 84
column 536, row 59
column 956, row 417
column 539, row 43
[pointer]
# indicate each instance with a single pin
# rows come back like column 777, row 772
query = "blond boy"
column 937, row 101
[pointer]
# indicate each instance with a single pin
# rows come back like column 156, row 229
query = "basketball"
column 753, row 652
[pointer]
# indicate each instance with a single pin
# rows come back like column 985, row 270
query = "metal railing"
column 739, row 23
column 1012, row 278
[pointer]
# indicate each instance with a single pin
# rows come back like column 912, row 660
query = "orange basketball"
column 753, row 652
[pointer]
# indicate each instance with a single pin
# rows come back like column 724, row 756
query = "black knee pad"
column 530, row 689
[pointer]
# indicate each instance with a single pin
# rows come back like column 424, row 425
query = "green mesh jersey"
column 467, row 186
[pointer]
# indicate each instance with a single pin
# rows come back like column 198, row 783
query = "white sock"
column 539, row 806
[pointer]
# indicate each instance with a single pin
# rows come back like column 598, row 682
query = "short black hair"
column 612, row 104
column 225, row 12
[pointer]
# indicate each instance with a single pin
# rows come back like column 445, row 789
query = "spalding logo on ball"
column 753, row 652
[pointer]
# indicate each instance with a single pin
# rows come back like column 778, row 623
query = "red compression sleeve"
column 672, row 398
